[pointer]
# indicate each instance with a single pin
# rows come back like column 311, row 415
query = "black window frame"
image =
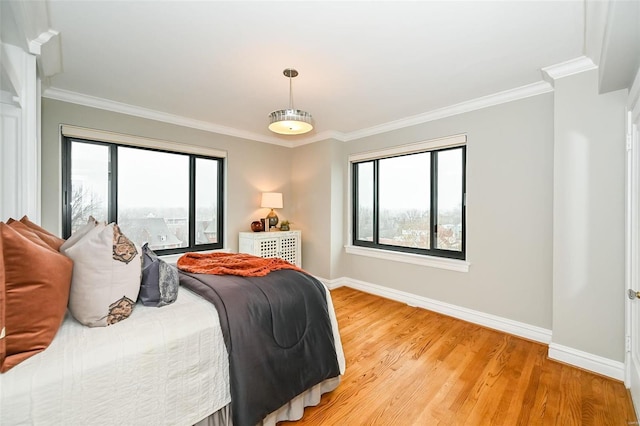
column 433, row 228
column 113, row 185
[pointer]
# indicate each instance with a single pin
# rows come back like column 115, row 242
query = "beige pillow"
column 106, row 276
column 77, row 236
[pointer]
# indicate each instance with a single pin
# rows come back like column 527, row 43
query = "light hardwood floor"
column 410, row 366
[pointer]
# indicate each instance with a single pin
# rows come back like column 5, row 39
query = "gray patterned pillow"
column 160, row 280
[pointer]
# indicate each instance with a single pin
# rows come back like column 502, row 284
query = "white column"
column 20, row 143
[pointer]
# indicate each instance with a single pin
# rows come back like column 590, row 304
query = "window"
column 171, row 200
column 411, row 199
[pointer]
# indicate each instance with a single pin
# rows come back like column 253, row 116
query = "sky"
column 405, row 181
column 146, row 179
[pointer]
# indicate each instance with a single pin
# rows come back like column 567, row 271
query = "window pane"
column 365, row 202
column 404, row 200
column 89, row 183
column 206, row 201
column 153, row 197
column 449, row 217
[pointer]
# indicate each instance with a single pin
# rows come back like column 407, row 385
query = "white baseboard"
column 587, row 361
column 332, row 284
column 574, row 357
column 516, row 328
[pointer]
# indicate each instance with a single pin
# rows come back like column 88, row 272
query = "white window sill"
column 416, row 259
column 172, row 259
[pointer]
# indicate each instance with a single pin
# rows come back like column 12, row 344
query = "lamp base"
column 273, row 219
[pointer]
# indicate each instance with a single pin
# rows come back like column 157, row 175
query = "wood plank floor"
column 410, row 366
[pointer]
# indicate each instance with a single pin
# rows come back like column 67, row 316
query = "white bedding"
column 170, row 368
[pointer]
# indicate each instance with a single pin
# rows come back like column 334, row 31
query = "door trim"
column 632, row 258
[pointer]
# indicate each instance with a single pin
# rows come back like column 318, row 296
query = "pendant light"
column 290, row 121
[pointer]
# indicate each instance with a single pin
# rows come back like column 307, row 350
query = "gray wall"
column 252, row 167
column 589, row 203
column 339, row 206
column 311, row 187
column 509, row 214
column 317, row 184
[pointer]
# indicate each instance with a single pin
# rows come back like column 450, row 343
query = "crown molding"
column 113, row 106
column 463, row 107
column 35, row 45
column 47, row 49
column 565, row 69
column 322, row 136
column 534, row 89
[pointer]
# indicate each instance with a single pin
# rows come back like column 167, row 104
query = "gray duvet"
column 278, row 334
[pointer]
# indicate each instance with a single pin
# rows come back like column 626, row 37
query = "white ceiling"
column 362, row 64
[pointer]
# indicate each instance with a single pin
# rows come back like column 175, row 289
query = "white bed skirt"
column 293, row 410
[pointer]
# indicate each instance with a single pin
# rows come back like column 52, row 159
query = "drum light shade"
column 290, row 121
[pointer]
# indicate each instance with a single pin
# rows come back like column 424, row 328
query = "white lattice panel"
column 289, row 249
column 285, row 245
column 268, row 248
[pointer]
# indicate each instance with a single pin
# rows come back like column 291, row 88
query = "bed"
column 162, row 366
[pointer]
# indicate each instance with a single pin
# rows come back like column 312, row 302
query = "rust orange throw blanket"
column 244, row 265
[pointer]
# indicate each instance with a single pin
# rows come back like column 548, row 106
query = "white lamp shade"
column 271, row 200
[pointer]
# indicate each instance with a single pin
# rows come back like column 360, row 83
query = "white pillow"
column 80, row 232
column 106, row 276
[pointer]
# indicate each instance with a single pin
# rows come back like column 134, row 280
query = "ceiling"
column 362, row 64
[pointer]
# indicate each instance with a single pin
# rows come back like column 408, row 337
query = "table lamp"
column 272, row 200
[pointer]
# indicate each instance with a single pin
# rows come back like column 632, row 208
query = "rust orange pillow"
column 52, row 240
column 28, row 233
column 34, row 291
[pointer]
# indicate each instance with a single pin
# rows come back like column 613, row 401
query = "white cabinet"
column 283, row 244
